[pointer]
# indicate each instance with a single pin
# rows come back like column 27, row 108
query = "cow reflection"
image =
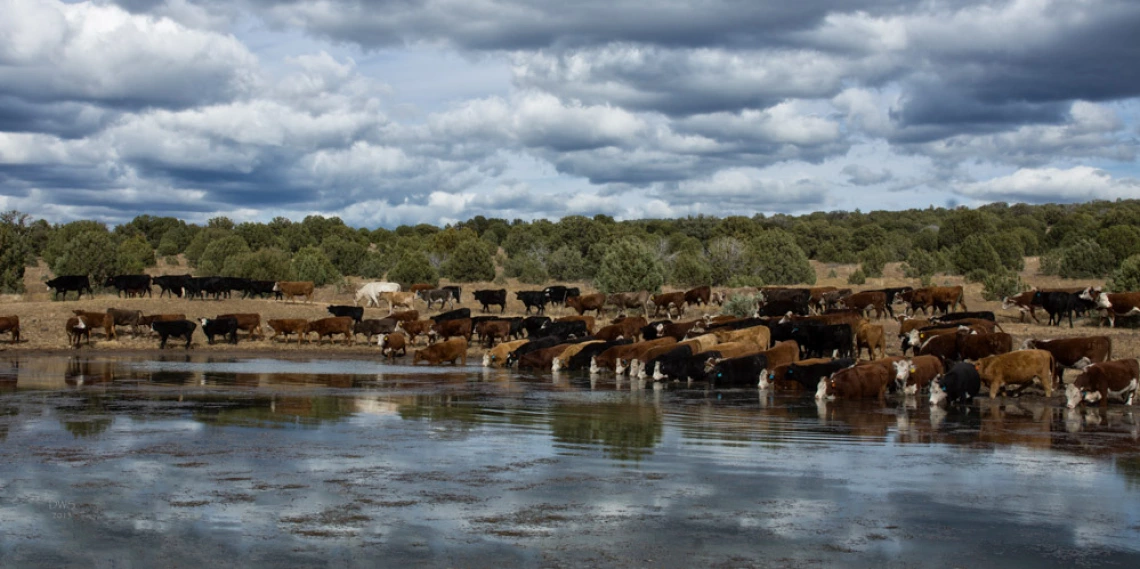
column 625, row 430
column 82, row 371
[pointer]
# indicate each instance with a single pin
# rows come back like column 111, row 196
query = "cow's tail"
column 998, row 326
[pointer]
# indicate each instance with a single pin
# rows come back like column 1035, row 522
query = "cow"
column 200, row 287
column 588, row 320
column 132, row 318
column 819, row 340
column 331, row 326
column 959, row 384
column 631, row 326
column 286, row 326
column 414, row 329
column 441, row 295
column 391, row 343
column 677, row 330
column 698, row 296
column 1098, row 382
column 99, row 320
column 758, row 334
column 891, row 294
column 633, row 300
column 585, row 356
column 973, row 346
column 857, row 382
column 1113, row 305
column 668, row 301
column 562, row 361
column 76, row 328
column 915, row 375
column 971, row 317
column 906, row 325
column 11, row 324
column 175, row 328
column 870, row 336
column 497, row 356
column 542, row 359
column 866, row 301
column 816, row 296
column 533, row 298
column 722, row 296
column 65, row 283
column 564, row 330
column 254, row 288
column 607, row 360
column 236, row 284
column 805, row 373
column 557, row 294
column 399, row 299
column 447, row 351
column 146, row 319
column 533, row 324
column 936, row 298
column 129, row 284
column 374, row 327
column 449, row 328
column 1072, row 352
column 492, row 297
column 413, row 315
column 248, row 322
column 293, row 289
column 354, row 312
column 1058, row 305
column 369, row 293
column 492, row 329
column 172, row 284
column 1020, row 367
column 944, row 347
column 219, row 327
column 750, row 369
column 584, row 303
column 417, row 288
column 456, row 292
column 609, row 333
column 1023, row 302
column 639, row 366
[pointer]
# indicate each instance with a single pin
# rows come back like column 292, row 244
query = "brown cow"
column 914, row 375
column 943, row 346
column 631, row 326
column 293, row 289
column 11, row 324
column 562, row 360
column 1023, row 302
column 392, row 343
column 497, row 356
column 248, row 322
column 414, row 328
column 974, row 346
column 1020, row 367
column 637, row 368
column 783, row 353
column 776, row 380
column 610, row 333
column 816, row 297
column 699, row 296
column 542, row 359
column 856, row 382
column 669, row 300
column 76, row 328
column 488, row 330
column 98, row 320
column 130, row 318
column 1075, row 353
column 759, row 335
column 589, row 320
column 449, row 328
column 608, row 359
column 677, row 330
column 865, row 302
column 146, row 319
column 416, row 288
column 624, row 300
column 1119, row 378
column 405, row 315
column 586, row 302
column 944, row 298
column 331, row 326
column 286, row 326
column 401, row 299
column 870, row 336
column 447, row 351
column 1114, row 304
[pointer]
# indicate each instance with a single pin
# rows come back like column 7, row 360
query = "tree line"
column 988, row 244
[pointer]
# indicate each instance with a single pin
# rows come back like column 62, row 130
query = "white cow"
column 371, row 292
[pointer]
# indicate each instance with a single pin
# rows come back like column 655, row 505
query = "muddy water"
column 341, row 463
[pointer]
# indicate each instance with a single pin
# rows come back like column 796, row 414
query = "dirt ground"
column 42, row 319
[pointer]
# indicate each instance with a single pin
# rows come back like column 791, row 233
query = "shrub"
column 174, row 241
column 874, row 261
column 726, row 258
column 1050, row 264
column 346, row 255
column 311, row 264
column 831, row 274
column 1122, row 241
column 920, row 263
column 526, row 268
column 1002, row 284
column 978, row 275
column 740, row 306
column 566, row 264
column 13, row 259
column 91, row 253
column 135, row 255
column 198, row 244
column 857, row 278
column 1127, row 277
column 470, row 262
column 745, row 280
column 374, row 265
column 1010, row 250
column 629, row 265
column 219, row 251
column 775, row 257
column 976, row 253
column 1085, row 259
column 262, row 265
column 63, row 235
column 414, row 267
column 690, row 269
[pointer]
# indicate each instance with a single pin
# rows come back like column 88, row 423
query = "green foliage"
column 1030, row 244
column 202, row 240
column 740, row 305
column 1070, row 229
column 311, row 264
column 175, row 240
column 1010, row 250
column 414, row 267
column 152, row 228
column 260, row 236
column 1122, row 241
column 527, row 268
column 263, row 265
column 976, row 253
column 470, row 261
column 375, row 265
column 13, row 255
column 831, row 274
column 1085, row 259
column 726, row 258
column 745, row 280
column 978, row 275
column 92, row 253
column 447, row 241
column 62, row 235
column 961, row 224
column 874, row 261
column 629, row 265
column 566, row 264
column 868, row 236
column 1050, row 264
column 999, row 285
column 689, row 269
column 775, row 257
column 135, row 255
column 345, row 254
column 1127, row 277
column 921, row 263
column 215, row 255
column 857, row 278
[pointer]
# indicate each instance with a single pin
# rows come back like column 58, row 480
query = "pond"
column 262, row 462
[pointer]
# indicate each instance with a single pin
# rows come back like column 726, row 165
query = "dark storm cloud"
column 863, row 176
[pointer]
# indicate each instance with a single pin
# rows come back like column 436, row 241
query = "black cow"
column 354, row 312
column 781, row 308
column 457, row 314
column 489, row 297
column 1058, row 304
column 955, row 316
column 535, row 298
column 809, row 375
column 220, row 327
column 581, row 360
column 455, row 291
column 234, row 284
column 532, row 325
column 675, row 363
column 815, row 339
column 199, row 287
column 572, row 328
column 172, row 284
column 260, row 288
column 533, row 346
column 744, row 370
column 433, row 295
column 556, row 293
column 176, row 328
column 63, row 284
column 649, row 331
column 958, row 385
column 373, row 327
column 516, row 327
column 797, row 297
column 130, row 284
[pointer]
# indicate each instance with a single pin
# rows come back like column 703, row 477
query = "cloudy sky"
column 400, row 111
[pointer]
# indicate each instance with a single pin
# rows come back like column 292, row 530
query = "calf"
column 1119, row 378
column 449, row 328
column 99, row 320
column 374, row 327
column 11, row 324
column 1020, row 367
column 585, row 303
column 492, row 329
column 175, row 328
column 1113, row 304
column 958, row 385
column 286, row 326
column 1073, row 352
column 399, row 300
column 292, row 289
column 871, row 337
column 354, row 312
column 533, row 298
column 331, row 326
column 76, row 328
column 220, row 327
column 132, row 318
column 450, row 351
column 914, row 375
column 415, row 329
column 248, row 322
column 489, row 298
column 392, row 343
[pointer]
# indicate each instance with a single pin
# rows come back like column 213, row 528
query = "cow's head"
column 380, row 339
column 1073, row 396
column 821, row 390
column 937, row 392
column 657, row 375
column 620, row 366
column 594, row 367
column 203, row 321
column 488, row 358
column 766, row 378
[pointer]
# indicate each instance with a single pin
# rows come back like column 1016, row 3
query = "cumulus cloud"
column 1042, row 185
column 860, row 175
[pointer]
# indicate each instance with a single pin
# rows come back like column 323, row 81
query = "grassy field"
column 42, row 319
